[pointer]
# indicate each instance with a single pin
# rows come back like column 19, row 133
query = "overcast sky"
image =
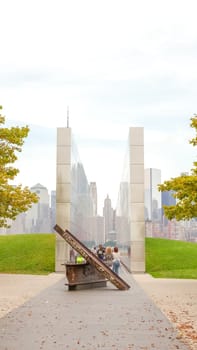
column 116, row 64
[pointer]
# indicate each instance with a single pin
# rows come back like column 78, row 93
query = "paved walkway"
column 102, row 318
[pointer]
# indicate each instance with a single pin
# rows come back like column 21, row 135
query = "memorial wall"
column 74, row 203
column 81, row 200
column 130, row 223
column 74, row 206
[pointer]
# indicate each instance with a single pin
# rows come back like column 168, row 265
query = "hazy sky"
column 116, row 64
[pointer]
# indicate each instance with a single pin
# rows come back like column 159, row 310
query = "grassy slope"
column 35, row 254
column 171, row 259
column 27, row 253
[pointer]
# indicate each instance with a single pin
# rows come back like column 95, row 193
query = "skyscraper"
column 37, row 217
column 167, row 199
column 152, row 196
column 93, row 194
column 108, row 214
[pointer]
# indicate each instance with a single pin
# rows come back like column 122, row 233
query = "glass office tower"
column 152, row 197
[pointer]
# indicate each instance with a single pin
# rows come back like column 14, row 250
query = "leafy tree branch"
column 13, row 199
column 184, row 189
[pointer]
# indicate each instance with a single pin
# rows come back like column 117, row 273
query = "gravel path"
column 177, row 299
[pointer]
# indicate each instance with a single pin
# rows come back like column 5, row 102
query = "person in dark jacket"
column 100, row 252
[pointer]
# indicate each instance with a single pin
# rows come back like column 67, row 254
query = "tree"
column 184, row 189
column 13, row 199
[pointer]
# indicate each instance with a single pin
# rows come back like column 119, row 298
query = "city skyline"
column 37, row 164
column 111, row 225
column 116, row 64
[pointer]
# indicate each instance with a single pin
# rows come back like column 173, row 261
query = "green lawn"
column 35, row 254
column 171, row 259
column 27, row 253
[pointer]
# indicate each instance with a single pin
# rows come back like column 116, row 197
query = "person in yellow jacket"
column 80, row 259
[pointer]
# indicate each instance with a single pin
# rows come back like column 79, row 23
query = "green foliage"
column 27, row 253
column 193, row 124
column 14, row 199
column 171, row 259
column 184, row 188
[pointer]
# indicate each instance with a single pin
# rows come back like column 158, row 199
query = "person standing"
column 116, row 261
column 94, row 250
column 100, row 252
column 108, row 259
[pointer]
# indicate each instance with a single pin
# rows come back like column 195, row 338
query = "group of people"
column 110, row 256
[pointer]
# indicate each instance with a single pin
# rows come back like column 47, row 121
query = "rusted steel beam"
column 83, row 276
column 90, row 257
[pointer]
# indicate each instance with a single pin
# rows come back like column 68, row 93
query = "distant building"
column 108, row 214
column 96, row 224
column 93, row 194
column 38, row 217
column 167, row 199
column 18, row 225
column 152, row 196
